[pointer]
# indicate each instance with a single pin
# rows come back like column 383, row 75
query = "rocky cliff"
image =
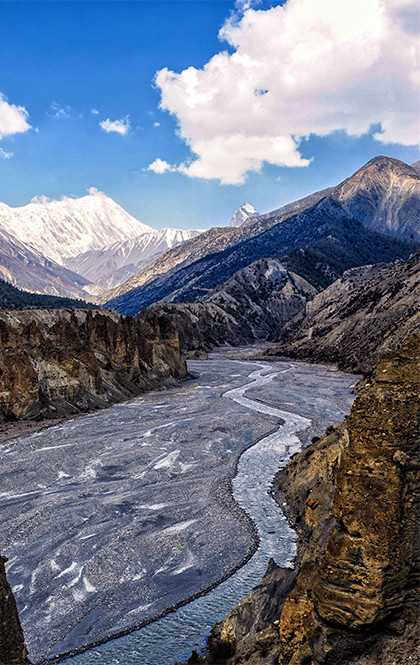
column 58, row 362
column 253, row 305
column 353, row 497
column 362, row 315
column 12, row 646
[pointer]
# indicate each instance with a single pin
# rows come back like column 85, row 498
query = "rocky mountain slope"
column 65, row 228
column 27, row 269
column 206, row 243
column 114, row 264
column 317, row 244
column 12, row 645
column 353, row 497
column 214, row 240
column 383, row 195
column 367, row 312
column 252, row 305
column 58, row 362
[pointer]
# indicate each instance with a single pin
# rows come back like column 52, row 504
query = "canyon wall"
column 58, row 362
column 353, row 497
column 365, row 313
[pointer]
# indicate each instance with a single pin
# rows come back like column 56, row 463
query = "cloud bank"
column 121, row 126
column 13, row 119
column 294, row 70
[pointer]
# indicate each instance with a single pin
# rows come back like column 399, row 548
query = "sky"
column 183, row 110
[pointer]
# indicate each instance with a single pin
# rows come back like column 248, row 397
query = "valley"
column 132, row 507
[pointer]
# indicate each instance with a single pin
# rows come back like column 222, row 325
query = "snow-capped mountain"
column 112, row 265
column 29, row 270
column 242, row 214
column 62, row 229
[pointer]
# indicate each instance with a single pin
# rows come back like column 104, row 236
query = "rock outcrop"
column 250, row 306
column 58, row 362
column 12, row 645
column 353, row 497
column 362, row 315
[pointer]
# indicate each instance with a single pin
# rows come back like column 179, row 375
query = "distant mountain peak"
column 242, row 214
column 384, row 195
column 63, row 228
column 382, row 163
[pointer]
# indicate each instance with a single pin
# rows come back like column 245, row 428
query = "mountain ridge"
column 312, row 230
column 63, row 228
column 402, row 222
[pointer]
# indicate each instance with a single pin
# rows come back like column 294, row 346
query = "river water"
column 129, row 511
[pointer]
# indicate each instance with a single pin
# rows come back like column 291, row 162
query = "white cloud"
column 121, row 126
column 5, row 154
column 13, row 119
column 156, row 124
column 94, row 111
column 94, row 191
column 159, row 166
column 59, row 111
column 40, row 198
column 298, row 69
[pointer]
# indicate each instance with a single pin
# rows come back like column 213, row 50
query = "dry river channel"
column 158, row 507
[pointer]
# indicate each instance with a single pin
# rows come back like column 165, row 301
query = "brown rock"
column 354, row 499
column 58, row 362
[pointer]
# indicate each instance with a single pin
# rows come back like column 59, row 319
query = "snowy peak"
column 62, row 229
column 109, row 266
column 242, row 214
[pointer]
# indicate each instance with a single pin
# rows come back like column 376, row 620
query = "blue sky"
column 60, row 60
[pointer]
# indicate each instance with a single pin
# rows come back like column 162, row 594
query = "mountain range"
column 92, row 248
column 383, row 197
column 77, row 247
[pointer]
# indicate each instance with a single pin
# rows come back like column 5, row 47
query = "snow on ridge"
column 60, row 229
column 243, row 214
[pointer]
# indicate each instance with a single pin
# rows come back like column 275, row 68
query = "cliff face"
column 58, row 362
column 12, row 646
column 361, row 316
column 354, row 498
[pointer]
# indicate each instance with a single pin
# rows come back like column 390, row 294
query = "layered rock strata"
column 353, row 497
column 59, row 362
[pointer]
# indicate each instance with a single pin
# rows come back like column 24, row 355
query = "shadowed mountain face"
column 252, row 305
column 384, row 196
column 26, row 268
column 365, row 313
column 318, row 244
column 214, row 240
